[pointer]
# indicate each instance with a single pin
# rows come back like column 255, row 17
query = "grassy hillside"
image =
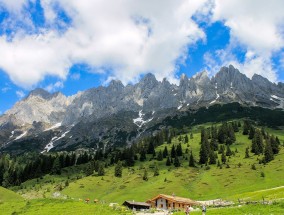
column 8, row 196
column 238, row 181
column 58, row 207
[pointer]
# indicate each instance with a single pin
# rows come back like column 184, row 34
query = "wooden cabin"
column 137, row 205
column 167, row 202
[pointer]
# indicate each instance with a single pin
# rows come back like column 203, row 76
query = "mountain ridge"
column 146, row 102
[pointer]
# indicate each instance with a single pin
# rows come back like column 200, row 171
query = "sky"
column 71, row 45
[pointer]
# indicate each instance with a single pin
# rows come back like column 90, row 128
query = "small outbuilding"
column 137, row 205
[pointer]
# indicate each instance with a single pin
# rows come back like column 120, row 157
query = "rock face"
column 147, row 101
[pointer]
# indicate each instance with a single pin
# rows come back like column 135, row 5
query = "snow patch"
column 54, row 126
column 140, row 121
column 231, row 85
column 12, row 134
column 20, row 136
column 217, row 97
column 50, row 145
column 179, row 107
column 280, row 101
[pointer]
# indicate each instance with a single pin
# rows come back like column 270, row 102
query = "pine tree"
column 168, row 163
column 176, row 162
column 228, row 151
column 56, row 168
column 156, row 170
column 247, row 153
column 268, row 153
column 145, row 176
column 101, row 171
column 214, row 144
column 203, row 154
column 143, row 155
column 251, row 132
column 191, row 160
column 246, row 127
column 191, row 135
column 275, row 144
column 223, row 157
column 151, row 148
column 186, row 139
column 118, row 169
column 257, row 143
column 160, row 156
column 179, row 150
column 212, row 157
column 165, row 152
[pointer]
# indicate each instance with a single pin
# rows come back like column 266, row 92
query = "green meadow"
column 235, row 182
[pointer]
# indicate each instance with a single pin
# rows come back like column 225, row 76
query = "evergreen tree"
column 173, row 151
column 165, row 152
column 179, row 150
column 191, row 160
column 168, row 163
column 56, row 168
column 212, row 158
column 251, row 132
column 268, row 153
column 118, row 169
column 214, row 144
column 143, row 155
column 223, row 157
column 145, row 176
column 246, row 127
column 257, row 143
column 228, row 151
column 275, row 144
column 89, row 169
column 101, row 171
column 247, row 153
column 160, row 156
column 203, row 154
column 151, row 148
column 156, row 170
column 186, row 139
column 176, row 162
column 191, row 135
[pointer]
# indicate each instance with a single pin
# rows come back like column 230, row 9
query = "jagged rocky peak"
column 39, row 92
column 149, row 80
column 116, row 84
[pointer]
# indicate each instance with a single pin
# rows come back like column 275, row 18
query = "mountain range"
column 117, row 115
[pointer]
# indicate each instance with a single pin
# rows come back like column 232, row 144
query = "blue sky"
column 70, row 45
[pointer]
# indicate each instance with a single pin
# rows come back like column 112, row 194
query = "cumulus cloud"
column 20, row 94
column 255, row 25
column 54, row 87
column 129, row 37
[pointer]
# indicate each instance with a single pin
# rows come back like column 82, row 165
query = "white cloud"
column 5, row 89
column 129, row 37
column 54, row 87
column 255, row 25
column 75, row 76
column 20, row 94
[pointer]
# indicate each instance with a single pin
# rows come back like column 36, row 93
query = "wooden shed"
column 137, row 205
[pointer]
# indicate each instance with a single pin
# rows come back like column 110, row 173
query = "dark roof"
column 137, row 203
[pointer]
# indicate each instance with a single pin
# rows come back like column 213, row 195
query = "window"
column 161, row 206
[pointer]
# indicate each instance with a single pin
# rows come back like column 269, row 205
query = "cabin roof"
column 175, row 199
column 137, row 203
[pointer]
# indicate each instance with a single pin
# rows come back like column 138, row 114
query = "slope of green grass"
column 275, row 209
column 58, row 207
column 8, row 195
column 236, row 182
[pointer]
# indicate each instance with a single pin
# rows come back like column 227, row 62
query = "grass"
column 8, row 195
column 58, row 207
column 257, row 209
column 234, row 183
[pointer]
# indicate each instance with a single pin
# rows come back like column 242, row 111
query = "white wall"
column 160, row 202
